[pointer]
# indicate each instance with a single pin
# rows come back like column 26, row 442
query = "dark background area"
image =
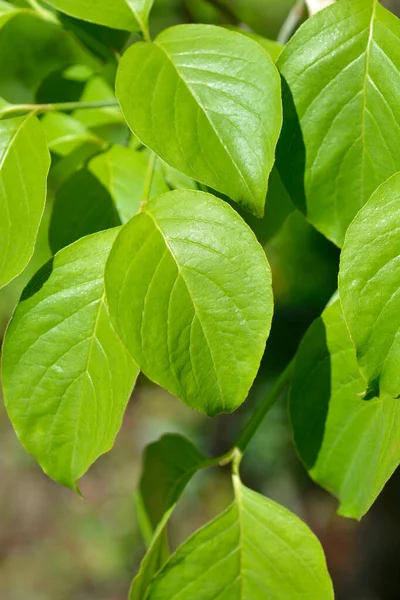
column 57, row 546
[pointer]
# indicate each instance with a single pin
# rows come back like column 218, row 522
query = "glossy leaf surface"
column 369, row 283
column 208, row 102
column 66, row 376
column 24, row 164
column 349, row 445
column 131, row 15
column 341, row 74
column 255, row 550
column 189, row 289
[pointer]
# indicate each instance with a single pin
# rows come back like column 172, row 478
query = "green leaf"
column 64, row 133
column 24, row 164
column 66, row 376
column 153, row 560
column 190, row 294
column 208, row 102
column 278, row 207
column 342, row 119
column 131, row 15
column 8, row 11
column 25, row 58
column 273, row 48
column 369, row 288
column 168, row 466
column 82, row 206
column 350, row 446
column 255, row 550
column 122, row 171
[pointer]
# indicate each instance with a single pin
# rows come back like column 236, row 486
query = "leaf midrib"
column 149, row 214
column 364, row 92
column 197, row 101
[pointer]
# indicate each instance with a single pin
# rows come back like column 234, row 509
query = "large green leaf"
column 207, row 101
column 122, row 171
column 350, row 446
column 66, row 375
column 24, row 164
column 131, row 15
column 189, row 289
column 369, row 284
column 168, row 466
column 342, row 123
column 82, row 206
column 256, row 550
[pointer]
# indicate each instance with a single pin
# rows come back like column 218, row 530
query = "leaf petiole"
column 21, row 109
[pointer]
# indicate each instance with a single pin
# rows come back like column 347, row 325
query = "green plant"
column 156, row 265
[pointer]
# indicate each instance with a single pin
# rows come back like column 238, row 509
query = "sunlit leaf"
column 190, row 294
column 24, row 164
column 207, row 102
column 66, row 376
column 340, row 141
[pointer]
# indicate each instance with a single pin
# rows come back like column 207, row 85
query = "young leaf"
column 66, row 376
column 341, row 76
column 253, row 551
column 168, row 466
column 207, row 101
column 64, row 133
column 122, row 171
column 82, row 206
column 349, row 445
column 369, row 283
column 190, row 294
column 131, row 15
column 24, row 164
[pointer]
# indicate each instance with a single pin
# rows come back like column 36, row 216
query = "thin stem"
column 145, row 33
column 148, row 180
column 235, row 454
column 20, row 109
column 47, row 15
column 265, row 406
column 292, row 21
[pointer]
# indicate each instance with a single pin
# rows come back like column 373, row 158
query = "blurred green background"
column 57, row 546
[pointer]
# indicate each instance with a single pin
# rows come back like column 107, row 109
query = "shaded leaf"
column 25, row 59
column 369, row 283
column 82, row 206
column 122, row 171
column 190, row 293
column 168, row 466
column 350, row 446
column 64, row 133
column 66, row 376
